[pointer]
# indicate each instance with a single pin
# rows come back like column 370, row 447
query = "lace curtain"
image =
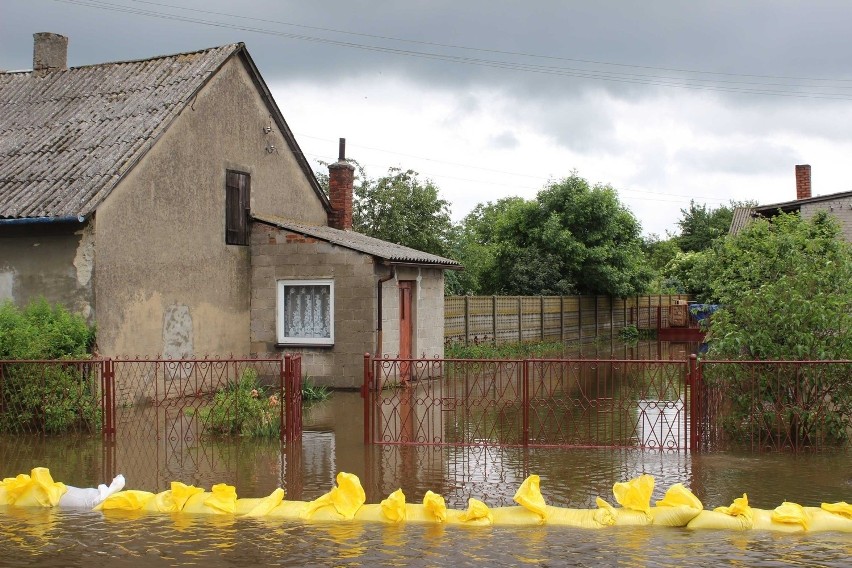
column 307, row 311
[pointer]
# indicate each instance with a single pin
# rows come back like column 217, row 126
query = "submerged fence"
column 506, row 319
column 653, row 404
column 534, row 402
column 775, row 405
column 185, row 399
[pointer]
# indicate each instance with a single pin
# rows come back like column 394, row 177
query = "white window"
column 306, row 312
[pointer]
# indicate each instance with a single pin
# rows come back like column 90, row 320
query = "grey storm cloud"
column 540, row 49
column 750, row 158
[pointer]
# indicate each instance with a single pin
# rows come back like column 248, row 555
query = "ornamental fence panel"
column 537, row 402
column 700, row 405
column 799, row 406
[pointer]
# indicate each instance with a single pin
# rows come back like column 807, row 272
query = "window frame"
column 280, row 328
column 237, row 207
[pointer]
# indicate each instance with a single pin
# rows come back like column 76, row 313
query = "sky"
column 666, row 101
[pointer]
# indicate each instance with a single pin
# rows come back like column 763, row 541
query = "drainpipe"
column 379, row 321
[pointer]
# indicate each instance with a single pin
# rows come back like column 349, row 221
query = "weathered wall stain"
column 177, row 332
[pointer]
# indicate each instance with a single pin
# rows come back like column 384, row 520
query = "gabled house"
column 837, row 204
column 167, row 200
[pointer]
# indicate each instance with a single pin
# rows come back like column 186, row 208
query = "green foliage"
column 700, row 226
column 312, row 392
column 476, row 244
column 243, row 409
column 690, row 273
column 629, row 334
column 42, row 331
column 784, row 288
column 572, row 239
column 402, row 209
column 51, row 398
column 504, row 351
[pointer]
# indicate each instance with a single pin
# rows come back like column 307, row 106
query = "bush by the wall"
column 51, row 398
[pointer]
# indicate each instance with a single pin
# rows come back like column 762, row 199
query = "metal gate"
column 530, row 402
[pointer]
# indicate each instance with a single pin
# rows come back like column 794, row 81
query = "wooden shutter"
column 237, row 186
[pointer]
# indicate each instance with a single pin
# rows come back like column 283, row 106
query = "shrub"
column 244, row 409
column 50, row 398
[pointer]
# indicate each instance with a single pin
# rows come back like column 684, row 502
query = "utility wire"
column 486, row 50
column 756, row 89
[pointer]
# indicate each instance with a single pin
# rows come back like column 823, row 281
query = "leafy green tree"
column 701, row 226
column 402, row 209
column 572, row 239
column 476, row 244
column 784, row 289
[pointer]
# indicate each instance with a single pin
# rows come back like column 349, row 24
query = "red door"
column 406, row 326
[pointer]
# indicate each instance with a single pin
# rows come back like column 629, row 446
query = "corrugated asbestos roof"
column 742, row 217
column 361, row 243
column 67, row 138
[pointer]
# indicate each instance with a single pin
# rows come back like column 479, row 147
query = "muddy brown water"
column 332, row 442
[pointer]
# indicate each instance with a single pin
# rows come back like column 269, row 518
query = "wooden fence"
column 509, row 319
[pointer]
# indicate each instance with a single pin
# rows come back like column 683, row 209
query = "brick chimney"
column 50, row 53
column 803, row 181
column 341, row 179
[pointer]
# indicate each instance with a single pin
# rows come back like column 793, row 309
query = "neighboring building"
column 167, row 200
column 837, row 204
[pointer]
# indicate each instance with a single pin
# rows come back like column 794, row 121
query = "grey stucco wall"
column 53, row 261
column 166, row 282
column 279, row 255
column 841, row 209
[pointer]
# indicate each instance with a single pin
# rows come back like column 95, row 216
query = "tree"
column 700, row 226
column 784, row 289
column 476, row 244
column 572, row 239
column 399, row 208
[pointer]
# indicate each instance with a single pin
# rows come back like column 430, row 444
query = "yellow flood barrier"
column 346, row 502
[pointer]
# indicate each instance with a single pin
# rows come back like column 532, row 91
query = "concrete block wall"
column 277, row 254
column 841, row 209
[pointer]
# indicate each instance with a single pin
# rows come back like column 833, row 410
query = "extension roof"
column 68, row 138
column 393, row 253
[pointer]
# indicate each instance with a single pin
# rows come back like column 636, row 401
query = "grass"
column 314, row 393
column 504, row 351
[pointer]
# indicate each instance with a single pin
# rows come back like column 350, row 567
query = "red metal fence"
column 181, row 399
column 775, row 405
column 533, row 402
column 655, row 404
column 47, row 397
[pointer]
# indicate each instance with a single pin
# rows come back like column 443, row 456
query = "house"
column 167, row 200
column 837, row 204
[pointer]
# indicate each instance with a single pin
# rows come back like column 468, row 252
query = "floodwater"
column 333, row 442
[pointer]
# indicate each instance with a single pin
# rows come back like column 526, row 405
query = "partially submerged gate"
column 532, row 402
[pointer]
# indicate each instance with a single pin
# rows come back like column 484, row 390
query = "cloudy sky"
column 666, row 101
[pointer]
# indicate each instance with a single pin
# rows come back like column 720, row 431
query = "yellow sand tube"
column 346, row 502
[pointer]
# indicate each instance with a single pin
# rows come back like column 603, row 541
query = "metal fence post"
column 108, row 396
column 366, row 387
column 525, row 403
column 284, row 395
column 694, row 404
